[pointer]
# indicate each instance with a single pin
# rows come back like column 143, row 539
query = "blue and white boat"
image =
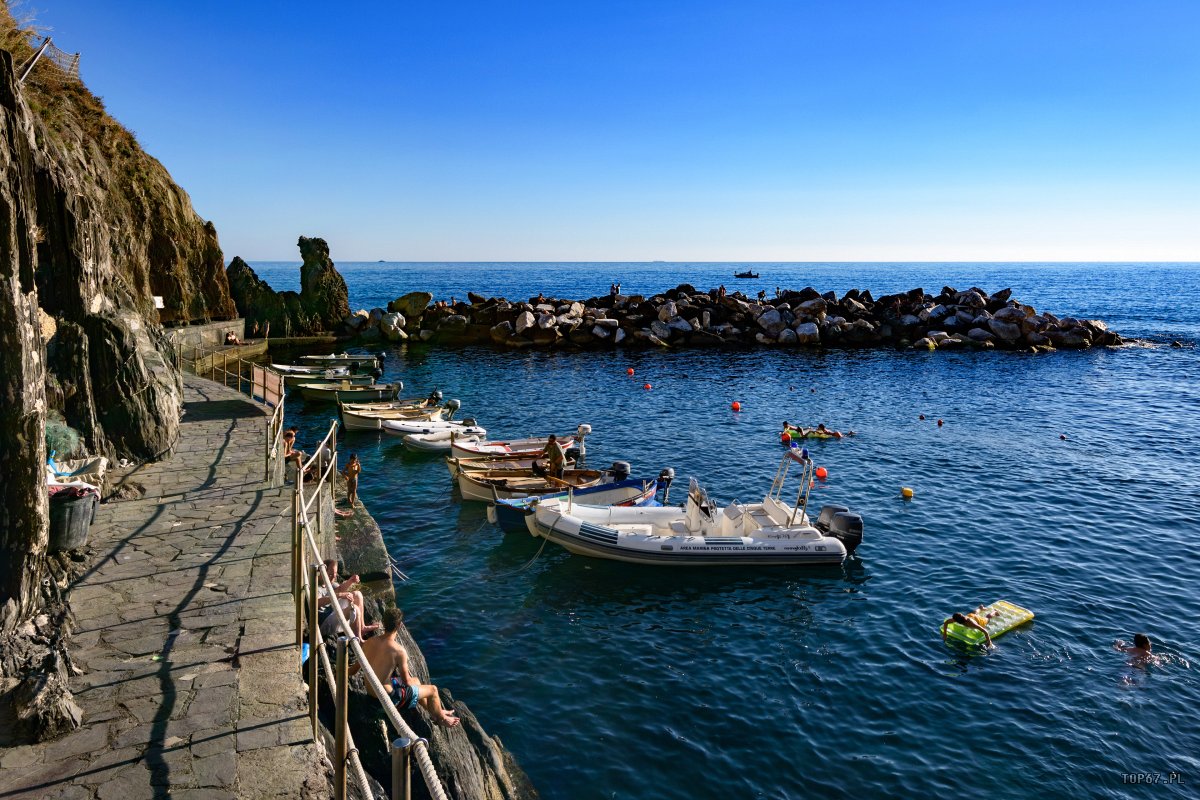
column 510, row 514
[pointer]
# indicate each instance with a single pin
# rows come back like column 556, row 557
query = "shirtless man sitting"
column 388, row 657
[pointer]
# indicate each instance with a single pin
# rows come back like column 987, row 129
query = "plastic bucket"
column 70, row 521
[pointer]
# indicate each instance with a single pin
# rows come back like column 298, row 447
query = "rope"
column 527, row 565
column 421, row 748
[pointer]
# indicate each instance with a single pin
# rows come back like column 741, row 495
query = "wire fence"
column 49, row 53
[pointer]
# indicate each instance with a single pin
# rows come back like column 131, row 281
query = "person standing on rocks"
column 351, row 472
column 389, row 661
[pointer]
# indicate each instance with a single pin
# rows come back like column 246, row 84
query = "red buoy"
column 646, row 386
column 629, row 371
column 736, row 406
column 939, row 423
column 822, row 473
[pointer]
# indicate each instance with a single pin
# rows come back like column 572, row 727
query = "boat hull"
column 804, row 547
column 510, row 514
column 512, row 447
column 373, row 420
column 484, row 488
column 334, row 393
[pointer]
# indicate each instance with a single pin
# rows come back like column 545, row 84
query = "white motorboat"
column 402, row 427
column 533, row 444
column 700, row 534
column 361, row 360
column 328, row 376
column 346, row 391
column 314, row 369
column 439, row 441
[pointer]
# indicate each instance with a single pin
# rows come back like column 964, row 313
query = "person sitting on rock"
column 231, row 339
column 349, row 600
column 389, row 661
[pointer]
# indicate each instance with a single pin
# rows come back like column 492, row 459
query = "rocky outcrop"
column 321, row 305
column 684, row 317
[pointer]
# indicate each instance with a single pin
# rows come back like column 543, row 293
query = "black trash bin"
column 70, row 520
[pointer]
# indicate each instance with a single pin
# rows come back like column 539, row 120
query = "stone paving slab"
column 183, row 629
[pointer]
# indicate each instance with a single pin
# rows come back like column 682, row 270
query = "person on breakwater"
column 556, row 456
column 387, row 657
column 349, row 599
column 350, row 473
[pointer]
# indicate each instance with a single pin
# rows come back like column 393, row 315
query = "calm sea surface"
column 618, row 681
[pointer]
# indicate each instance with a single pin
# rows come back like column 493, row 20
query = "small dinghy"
column 372, row 419
column 487, row 486
column 513, row 446
column 439, row 441
column 505, row 461
column 329, row 376
column 510, row 514
column 314, row 369
column 700, row 534
column 336, row 392
column 361, row 360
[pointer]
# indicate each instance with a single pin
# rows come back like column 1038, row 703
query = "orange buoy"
column 822, row 473
column 629, row 371
column 736, row 406
column 646, row 386
column 785, row 437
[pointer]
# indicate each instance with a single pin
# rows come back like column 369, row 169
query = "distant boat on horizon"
column 746, row 274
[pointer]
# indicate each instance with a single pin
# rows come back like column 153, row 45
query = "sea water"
column 610, row 680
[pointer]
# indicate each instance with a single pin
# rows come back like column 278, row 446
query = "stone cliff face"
column 321, row 305
column 112, row 231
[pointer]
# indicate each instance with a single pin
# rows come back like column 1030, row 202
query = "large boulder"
column 525, row 321
column 1005, row 330
column 808, row 333
column 392, row 327
column 660, row 329
column 412, row 304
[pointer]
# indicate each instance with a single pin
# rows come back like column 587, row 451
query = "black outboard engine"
column 665, row 479
column 848, row 528
column 355, row 366
column 435, row 397
column 574, row 452
column 381, row 357
column 825, row 519
column 620, row 471
column 377, row 374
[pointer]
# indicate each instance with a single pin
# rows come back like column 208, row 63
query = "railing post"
column 401, row 769
column 314, row 641
column 341, row 719
column 297, row 543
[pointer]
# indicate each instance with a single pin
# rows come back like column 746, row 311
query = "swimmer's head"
column 959, row 618
column 1141, row 640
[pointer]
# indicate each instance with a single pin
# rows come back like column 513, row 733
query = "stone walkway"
column 184, row 632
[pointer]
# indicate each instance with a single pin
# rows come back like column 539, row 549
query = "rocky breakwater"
column 685, row 317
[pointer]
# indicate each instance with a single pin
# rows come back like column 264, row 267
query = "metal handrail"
column 306, row 588
column 274, row 435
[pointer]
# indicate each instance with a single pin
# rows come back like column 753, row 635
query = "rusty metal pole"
column 341, row 719
column 314, row 641
column 402, row 769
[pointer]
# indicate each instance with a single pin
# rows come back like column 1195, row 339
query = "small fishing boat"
column 487, row 486
column 370, row 416
column 510, row 514
column 328, row 377
column 746, row 274
column 313, row 369
column 361, row 360
column 533, row 444
column 401, row 403
column 333, row 392
column 701, row 534
column 439, row 441
column 506, row 461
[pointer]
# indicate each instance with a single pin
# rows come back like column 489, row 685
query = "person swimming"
column 1141, row 650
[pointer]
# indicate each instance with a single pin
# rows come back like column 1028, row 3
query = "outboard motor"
column 848, row 528
column 574, row 453
column 435, row 396
column 583, row 431
column 665, row 479
column 355, row 366
column 825, row 519
column 381, row 357
column 452, row 406
column 377, row 373
column 620, row 471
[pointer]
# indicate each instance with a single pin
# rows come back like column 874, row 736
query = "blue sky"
column 802, row 131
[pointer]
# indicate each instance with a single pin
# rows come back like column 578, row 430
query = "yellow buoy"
column 906, row 493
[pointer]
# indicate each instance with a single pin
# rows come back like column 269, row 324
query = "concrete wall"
column 210, row 334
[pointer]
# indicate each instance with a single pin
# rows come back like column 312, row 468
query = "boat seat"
column 680, row 528
column 638, row 530
column 762, row 519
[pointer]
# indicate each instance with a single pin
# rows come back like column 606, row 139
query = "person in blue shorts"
column 389, row 661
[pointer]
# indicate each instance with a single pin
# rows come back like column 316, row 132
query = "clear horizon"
column 766, row 132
